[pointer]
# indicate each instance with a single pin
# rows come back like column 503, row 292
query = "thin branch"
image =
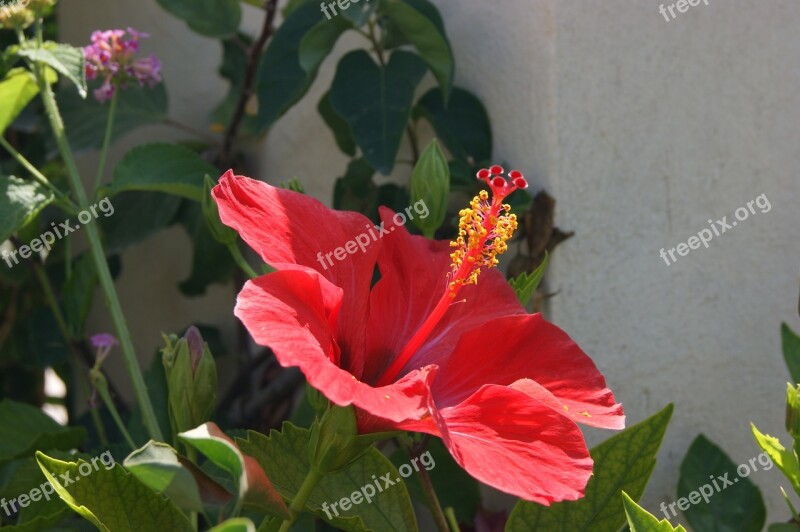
column 247, row 90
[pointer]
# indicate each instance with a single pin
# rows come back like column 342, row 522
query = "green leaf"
column 526, row 284
column 355, row 191
column 790, row 342
column 137, row 216
column 240, row 524
column 359, row 12
column 23, row 476
column 156, row 465
column 623, row 462
column 255, row 489
column 640, row 520
column 161, row 167
column 318, row 42
column 33, row 430
column 430, row 42
column 78, row 293
column 20, row 202
column 340, row 128
column 284, row 457
column 281, row 80
column 85, row 119
column 16, row 91
column 430, row 184
column 211, row 261
column 783, row 527
column 736, row 508
column 111, row 499
column 462, row 125
column 212, row 18
column 376, row 102
column 65, row 59
column 784, row 458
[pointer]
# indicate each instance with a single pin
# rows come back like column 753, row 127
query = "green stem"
column 300, row 499
column 241, row 262
column 100, row 384
column 101, row 167
column 451, row 519
column 63, row 200
column 414, row 450
column 98, row 255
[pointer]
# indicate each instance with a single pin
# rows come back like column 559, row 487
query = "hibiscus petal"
column 413, row 279
column 510, row 441
column 287, row 229
column 294, row 312
column 508, row 349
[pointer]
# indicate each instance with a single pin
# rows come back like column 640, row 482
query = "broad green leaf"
column 623, row 462
column 790, row 342
column 78, row 293
column 16, row 91
column 355, row 191
column 640, row 520
column 20, row 202
column 161, row 167
column 784, row 458
column 526, row 284
column 454, row 487
column 111, row 499
column 32, row 430
column 734, row 508
column 462, row 125
column 24, row 476
column 430, row 42
column 281, row 80
column 211, row 261
column 212, row 18
column 255, row 489
column 240, row 524
column 137, row 216
column 318, row 42
column 430, row 184
column 284, row 457
column 341, row 130
column 65, row 59
column 376, row 102
column 783, row 527
column 156, row 465
column 85, row 119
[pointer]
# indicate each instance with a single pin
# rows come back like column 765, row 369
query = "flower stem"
column 451, row 519
column 100, row 384
column 101, row 167
column 414, row 451
column 98, row 255
column 236, row 253
column 300, row 499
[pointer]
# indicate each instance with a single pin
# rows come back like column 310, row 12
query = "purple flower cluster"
column 111, row 57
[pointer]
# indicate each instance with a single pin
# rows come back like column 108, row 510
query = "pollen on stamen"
column 484, row 227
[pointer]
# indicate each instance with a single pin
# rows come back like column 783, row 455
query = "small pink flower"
column 110, row 57
column 103, row 343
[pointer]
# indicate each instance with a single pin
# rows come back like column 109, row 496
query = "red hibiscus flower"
column 430, row 347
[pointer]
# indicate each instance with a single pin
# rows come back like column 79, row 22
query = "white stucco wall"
column 643, row 130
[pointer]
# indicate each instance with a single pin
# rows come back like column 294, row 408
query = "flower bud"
column 334, row 442
column 221, row 232
column 430, row 186
column 15, row 16
column 191, row 376
column 793, row 410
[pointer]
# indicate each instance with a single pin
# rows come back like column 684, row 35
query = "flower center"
column 483, row 231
